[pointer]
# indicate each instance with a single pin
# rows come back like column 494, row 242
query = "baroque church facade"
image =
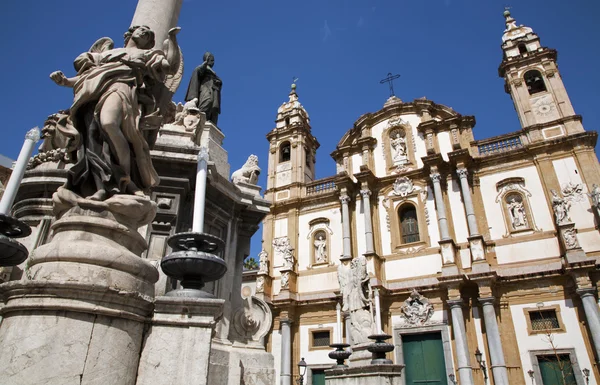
column 475, row 250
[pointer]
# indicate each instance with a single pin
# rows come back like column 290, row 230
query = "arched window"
column 409, row 226
column 522, row 48
column 285, row 152
column 534, row 81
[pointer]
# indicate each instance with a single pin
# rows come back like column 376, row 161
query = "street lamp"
column 586, row 374
column 478, row 357
column 301, row 371
column 530, row 372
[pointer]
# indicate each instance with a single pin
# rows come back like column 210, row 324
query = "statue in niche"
column 398, row 145
column 320, row 245
column 248, row 173
column 205, row 86
column 516, row 209
column 561, row 208
column 116, row 92
column 356, row 296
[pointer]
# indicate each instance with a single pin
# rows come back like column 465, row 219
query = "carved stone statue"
column 248, row 173
column 205, row 86
column 595, row 195
column 356, row 296
column 284, row 249
column 187, row 115
column 398, row 144
column 53, row 148
column 561, row 208
column 517, row 212
column 263, row 261
column 114, row 102
column 320, row 245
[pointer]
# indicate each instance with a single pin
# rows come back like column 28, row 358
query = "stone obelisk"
column 159, row 15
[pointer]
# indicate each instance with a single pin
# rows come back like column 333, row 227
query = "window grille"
column 544, row 320
column 321, row 338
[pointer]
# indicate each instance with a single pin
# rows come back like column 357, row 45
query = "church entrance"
column 424, row 359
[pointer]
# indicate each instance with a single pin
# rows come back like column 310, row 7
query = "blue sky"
column 446, row 50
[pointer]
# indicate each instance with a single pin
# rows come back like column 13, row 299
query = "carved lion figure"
column 248, row 173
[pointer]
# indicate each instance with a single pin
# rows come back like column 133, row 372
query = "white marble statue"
column 561, row 208
column 320, row 245
column 595, row 195
column 248, row 173
column 285, row 251
column 356, row 296
column 398, row 144
column 187, row 115
column 517, row 212
column 263, row 261
column 114, row 114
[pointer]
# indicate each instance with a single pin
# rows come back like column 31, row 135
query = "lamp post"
column 586, row 374
column 452, row 378
column 530, row 372
column 301, row 371
column 478, row 357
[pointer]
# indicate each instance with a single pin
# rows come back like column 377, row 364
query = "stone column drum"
column 78, row 316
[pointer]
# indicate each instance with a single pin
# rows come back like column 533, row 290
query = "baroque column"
column 592, row 315
column 344, row 198
column 465, row 372
column 441, row 207
column 466, row 193
column 366, row 194
column 286, row 352
column 494, row 343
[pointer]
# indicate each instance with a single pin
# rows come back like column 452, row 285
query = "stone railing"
column 320, row 186
column 498, row 144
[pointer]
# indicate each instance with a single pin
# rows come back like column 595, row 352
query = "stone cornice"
column 531, row 58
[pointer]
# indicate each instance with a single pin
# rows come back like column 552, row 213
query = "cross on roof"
column 390, row 79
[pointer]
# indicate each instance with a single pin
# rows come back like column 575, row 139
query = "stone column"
column 286, row 352
column 464, row 186
column 440, row 206
column 366, row 194
column 498, row 365
column 344, row 198
column 465, row 372
column 591, row 314
column 159, row 15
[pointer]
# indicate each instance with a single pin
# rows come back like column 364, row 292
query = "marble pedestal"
column 78, row 316
column 365, row 375
column 178, row 343
column 360, row 355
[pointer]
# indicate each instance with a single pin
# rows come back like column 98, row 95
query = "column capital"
column 462, row 172
column 453, row 303
column 586, row 291
column 487, row 300
column 344, row 199
column 287, row 321
column 435, row 177
column 365, row 193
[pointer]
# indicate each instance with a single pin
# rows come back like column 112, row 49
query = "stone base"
column 231, row 365
column 371, row 375
column 448, row 250
column 212, row 138
column 449, row 270
column 248, row 188
column 480, row 267
column 177, row 345
column 477, row 248
column 60, row 333
column 360, row 355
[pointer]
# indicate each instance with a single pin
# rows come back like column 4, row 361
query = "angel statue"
column 117, row 92
column 356, row 298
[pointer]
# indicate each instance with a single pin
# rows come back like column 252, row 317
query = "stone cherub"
column 115, row 98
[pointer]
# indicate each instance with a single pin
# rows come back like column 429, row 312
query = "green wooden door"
column 424, row 359
column 556, row 370
column 318, row 377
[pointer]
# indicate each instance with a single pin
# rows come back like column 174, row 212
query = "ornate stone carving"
column 561, row 208
column 398, row 147
column 573, row 192
column 284, row 251
column 285, row 280
column 356, row 296
column 320, row 245
column 595, row 195
column 187, row 115
column 403, row 186
column 260, row 284
column 253, row 321
column 248, row 173
column 570, row 238
column 416, row 310
column 115, row 118
column 544, row 108
column 423, row 193
column 435, row 177
column 54, row 147
column 263, row 261
column 517, row 212
column 345, row 199
column 462, row 173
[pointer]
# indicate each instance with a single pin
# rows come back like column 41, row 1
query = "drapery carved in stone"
column 356, row 297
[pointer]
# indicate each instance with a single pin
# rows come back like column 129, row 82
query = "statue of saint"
column 595, row 195
column 114, row 101
column 320, row 248
column 356, row 297
column 517, row 213
column 561, row 208
column 263, row 260
column 205, row 85
column 398, row 149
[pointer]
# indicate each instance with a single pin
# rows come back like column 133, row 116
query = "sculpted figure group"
column 114, row 116
column 356, row 296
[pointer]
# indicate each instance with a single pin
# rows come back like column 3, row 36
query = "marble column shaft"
column 366, row 194
column 592, row 314
column 440, row 206
column 494, row 343
column 465, row 372
column 345, row 225
column 159, row 15
column 286, row 352
column 468, row 201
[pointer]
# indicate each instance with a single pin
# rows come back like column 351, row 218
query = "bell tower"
column 292, row 151
column 533, row 81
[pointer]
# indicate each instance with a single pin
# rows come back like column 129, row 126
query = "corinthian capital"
column 462, row 172
column 435, row 177
column 365, row 193
column 344, row 199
